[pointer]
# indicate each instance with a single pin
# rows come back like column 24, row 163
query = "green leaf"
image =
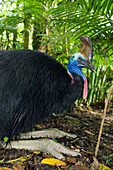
column 2, row 160
column 5, row 139
column 54, row 140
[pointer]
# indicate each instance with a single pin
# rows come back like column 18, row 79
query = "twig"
column 102, row 123
column 87, row 151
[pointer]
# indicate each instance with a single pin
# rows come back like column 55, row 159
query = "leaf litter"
column 85, row 123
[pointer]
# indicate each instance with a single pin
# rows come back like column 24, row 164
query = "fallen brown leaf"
column 88, row 132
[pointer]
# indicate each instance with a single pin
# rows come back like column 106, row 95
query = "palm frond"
column 92, row 18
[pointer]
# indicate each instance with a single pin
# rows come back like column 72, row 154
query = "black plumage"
column 33, row 85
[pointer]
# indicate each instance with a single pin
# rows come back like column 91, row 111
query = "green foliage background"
column 55, row 26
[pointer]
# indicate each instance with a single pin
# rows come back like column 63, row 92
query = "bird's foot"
column 50, row 133
column 44, row 145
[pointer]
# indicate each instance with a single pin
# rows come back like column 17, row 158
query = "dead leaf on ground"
column 5, row 168
column 53, row 161
column 88, row 132
column 38, row 126
column 17, row 166
column 22, row 159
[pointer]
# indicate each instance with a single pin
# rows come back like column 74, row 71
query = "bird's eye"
column 79, row 58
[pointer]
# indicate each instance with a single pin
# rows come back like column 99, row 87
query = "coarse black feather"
column 33, row 85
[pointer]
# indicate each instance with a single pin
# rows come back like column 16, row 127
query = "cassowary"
column 33, row 85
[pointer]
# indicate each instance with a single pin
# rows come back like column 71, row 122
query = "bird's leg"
column 44, row 145
column 50, row 133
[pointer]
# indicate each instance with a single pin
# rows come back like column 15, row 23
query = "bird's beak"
column 88, row 65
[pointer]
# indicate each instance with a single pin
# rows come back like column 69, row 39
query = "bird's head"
column 81, row 59
column 77, row 62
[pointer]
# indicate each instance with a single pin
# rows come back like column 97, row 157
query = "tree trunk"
column 7, row 35
column 14, row 38
column 26, row 30
column 39, row 30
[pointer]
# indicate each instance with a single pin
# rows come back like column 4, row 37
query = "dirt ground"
column 85, row 123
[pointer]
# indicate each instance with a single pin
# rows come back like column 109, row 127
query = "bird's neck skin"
column 77, row 70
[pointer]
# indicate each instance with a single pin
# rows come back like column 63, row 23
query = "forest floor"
column 85, row 123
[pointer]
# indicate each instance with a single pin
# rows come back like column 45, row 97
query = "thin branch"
column 102, row 123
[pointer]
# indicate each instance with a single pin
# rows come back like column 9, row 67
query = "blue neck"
column 77, row 70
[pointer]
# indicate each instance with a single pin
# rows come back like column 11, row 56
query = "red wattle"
column 85, row 90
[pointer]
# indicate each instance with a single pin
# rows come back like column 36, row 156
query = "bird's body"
column 33, row 85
